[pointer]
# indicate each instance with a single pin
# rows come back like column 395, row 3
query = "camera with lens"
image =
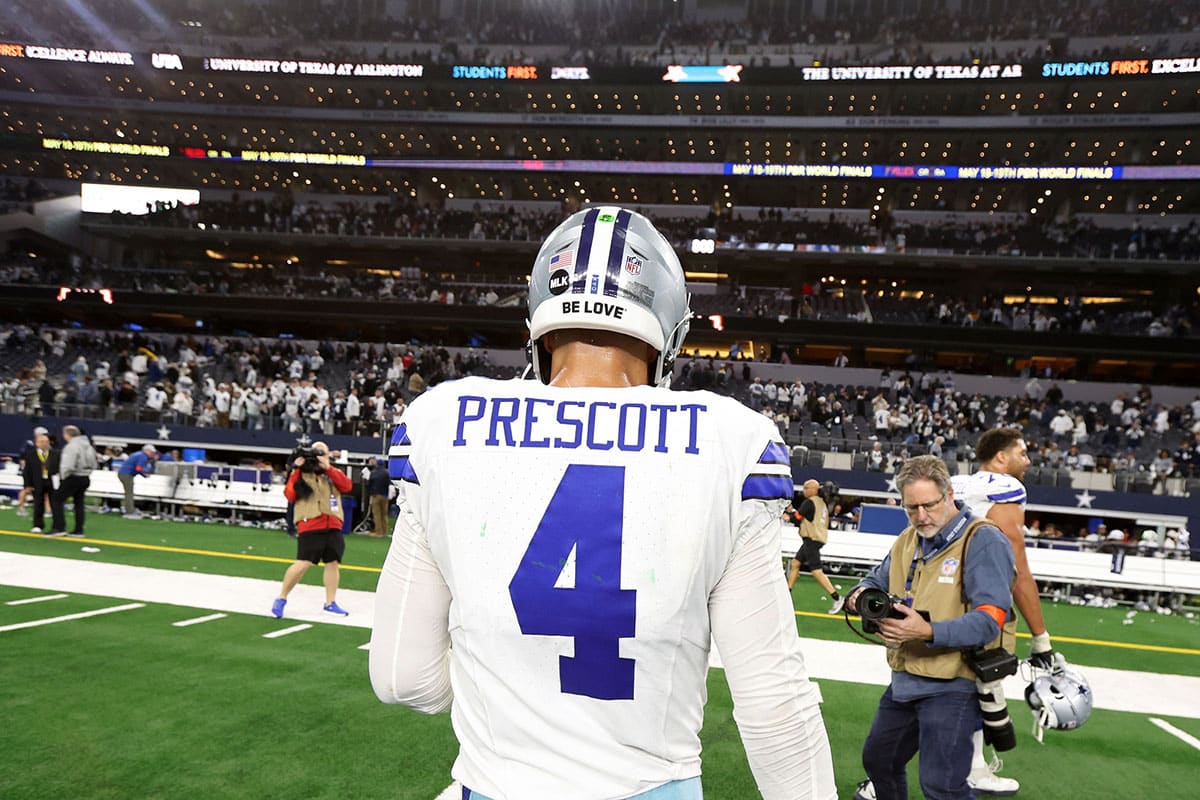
column 875, row 604
column 310, row 456
column 991, row 667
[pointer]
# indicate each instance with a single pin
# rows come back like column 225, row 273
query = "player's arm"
column 410, row 642
column 1010, row 519
column 774, row 704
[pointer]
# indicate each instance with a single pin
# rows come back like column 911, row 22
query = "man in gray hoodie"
column 76, row 463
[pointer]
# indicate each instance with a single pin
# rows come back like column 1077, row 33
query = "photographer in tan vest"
column 949, row 576
column 316, row 488
column 813, row 519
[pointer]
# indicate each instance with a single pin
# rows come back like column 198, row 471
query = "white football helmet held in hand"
column 1061, row 700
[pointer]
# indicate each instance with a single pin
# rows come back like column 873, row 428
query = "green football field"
column 128, row 705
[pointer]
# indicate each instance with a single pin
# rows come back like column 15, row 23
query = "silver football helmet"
column 608, row 268
column 1061, row 700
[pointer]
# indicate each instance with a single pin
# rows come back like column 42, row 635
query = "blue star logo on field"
column 1084, row 500
column 164, row 433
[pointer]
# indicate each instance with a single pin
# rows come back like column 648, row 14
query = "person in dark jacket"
column 379, row 484
column 41, row 468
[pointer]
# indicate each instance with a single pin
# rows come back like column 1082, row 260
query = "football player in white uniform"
column 996, row 491
column 566, row 547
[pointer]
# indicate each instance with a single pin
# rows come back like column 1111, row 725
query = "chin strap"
column 1041, row 716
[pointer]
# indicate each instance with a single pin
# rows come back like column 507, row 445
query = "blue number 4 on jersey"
column 584, row 514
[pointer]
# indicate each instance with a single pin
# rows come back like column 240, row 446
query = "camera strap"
column 858, row 633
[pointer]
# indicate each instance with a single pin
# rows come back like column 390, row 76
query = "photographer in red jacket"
column 316, row 487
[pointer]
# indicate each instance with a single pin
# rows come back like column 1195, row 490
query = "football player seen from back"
column 566, row 547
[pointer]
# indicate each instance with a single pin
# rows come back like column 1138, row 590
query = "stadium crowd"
column 1077, row 237
column 810, row 301
column 647, row 34
column 361, row 389
column 331, row 387
column 912, row 304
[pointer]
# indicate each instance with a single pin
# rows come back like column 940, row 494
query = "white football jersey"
column 984, row 489
column 585, row 539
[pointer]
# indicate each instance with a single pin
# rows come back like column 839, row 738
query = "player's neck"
column 581, row 362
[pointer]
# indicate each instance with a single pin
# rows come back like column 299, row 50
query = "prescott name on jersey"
column 551, row 422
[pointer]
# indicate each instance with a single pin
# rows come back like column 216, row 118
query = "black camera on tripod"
column 310, row 456
column 875, row 604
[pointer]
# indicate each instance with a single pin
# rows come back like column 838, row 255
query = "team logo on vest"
column 633, row 265
column 560, row 280
column 950, row 566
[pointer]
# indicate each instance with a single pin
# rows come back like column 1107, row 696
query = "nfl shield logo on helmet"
column 950, row 566
column 633, row 265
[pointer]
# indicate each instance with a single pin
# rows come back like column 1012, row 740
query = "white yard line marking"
column 452, row 792
column 286, row 631
column 41, row 599
column 82, row 615
column 1183, row 736
column 205, row 593
column 1156, row 694
column 183, row 623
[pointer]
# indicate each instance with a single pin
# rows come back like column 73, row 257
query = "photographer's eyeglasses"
column 929, row 507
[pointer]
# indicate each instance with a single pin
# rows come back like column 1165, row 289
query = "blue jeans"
column 688, row 789
column 941, row 727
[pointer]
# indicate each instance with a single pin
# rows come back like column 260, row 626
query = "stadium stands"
column 948, row 189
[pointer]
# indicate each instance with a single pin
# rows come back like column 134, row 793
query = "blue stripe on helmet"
column 767, row 487
column 616, row 253
column 775, row 453
column 584, row 253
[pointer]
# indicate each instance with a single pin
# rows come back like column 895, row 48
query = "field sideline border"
column 180, row 550
column 811, row 614
column 1156, row 648
column 1160, row 694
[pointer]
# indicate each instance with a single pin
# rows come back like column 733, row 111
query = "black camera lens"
column 997, row 725
column 874, row 604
